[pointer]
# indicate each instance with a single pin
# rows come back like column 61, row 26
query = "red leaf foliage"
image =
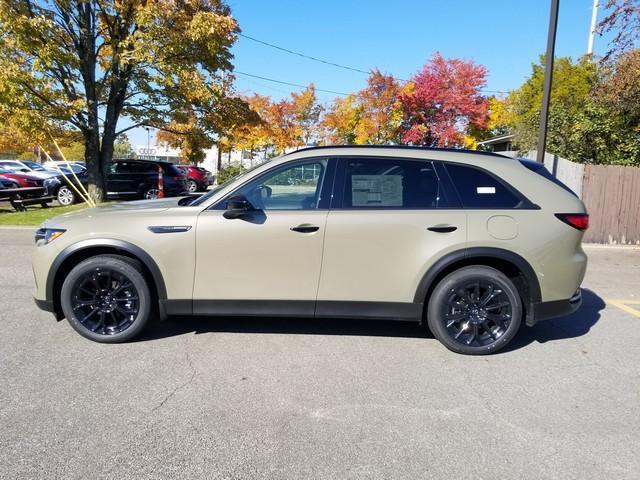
column 443, row 100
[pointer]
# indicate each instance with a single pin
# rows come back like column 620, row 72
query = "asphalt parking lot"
column 271, row 398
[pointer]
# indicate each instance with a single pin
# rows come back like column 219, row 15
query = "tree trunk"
column 95, row 173
column 219, row 158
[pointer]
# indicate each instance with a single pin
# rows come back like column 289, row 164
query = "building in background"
column 501, row 143
column 210, row 162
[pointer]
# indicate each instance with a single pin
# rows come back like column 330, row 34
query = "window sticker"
column 490, row 190
column 376, row 190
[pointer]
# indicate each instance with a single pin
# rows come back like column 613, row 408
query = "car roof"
column 155, row 162
column 399, row 147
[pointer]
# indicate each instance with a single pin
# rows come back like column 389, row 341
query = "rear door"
column 390, row 220
column 120, row 181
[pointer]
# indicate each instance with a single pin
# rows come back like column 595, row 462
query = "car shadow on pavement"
column 571, row 326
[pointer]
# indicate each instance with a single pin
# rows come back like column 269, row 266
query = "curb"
column 611, row 246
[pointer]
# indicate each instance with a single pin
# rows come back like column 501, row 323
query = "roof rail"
column 407, row 147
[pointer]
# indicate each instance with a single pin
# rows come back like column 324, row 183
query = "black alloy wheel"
column 475, row 310
column 106, row 298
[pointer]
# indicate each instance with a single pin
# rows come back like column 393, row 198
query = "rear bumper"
column 558, row 308
column 46, row 305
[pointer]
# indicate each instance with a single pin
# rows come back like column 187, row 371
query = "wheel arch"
column 77, row 252
column 511, row 264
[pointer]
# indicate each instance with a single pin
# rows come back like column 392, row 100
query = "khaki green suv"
column 472, row 244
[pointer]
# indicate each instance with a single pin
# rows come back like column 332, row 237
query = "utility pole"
column 592, row 31
column 148, row 129
column 548, row 77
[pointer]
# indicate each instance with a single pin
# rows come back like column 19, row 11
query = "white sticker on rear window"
column 376, row 190
column 486, row 189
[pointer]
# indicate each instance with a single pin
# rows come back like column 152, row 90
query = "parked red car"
column 22, row 179
column 198, row 178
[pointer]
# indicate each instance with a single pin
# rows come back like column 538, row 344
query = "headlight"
column 47, row 235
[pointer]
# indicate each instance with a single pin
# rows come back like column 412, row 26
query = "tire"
column 192, row 186
column 151, row 194
column 475, row 311
column 65, row 196
column 107, row 317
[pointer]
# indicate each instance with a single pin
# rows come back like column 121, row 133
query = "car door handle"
column 443, row 228
column 305, row 228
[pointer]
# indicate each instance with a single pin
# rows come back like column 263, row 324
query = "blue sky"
column 397, row 37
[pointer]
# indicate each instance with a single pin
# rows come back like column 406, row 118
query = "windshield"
column 217, row 188
column 33, row 165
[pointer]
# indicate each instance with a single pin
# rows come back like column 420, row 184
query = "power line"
column 282, row 82
column 326, row 62
column 309, row 57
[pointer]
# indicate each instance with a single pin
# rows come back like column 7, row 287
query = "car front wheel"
column 66, row 196
column 475, row 310
column 106, row 299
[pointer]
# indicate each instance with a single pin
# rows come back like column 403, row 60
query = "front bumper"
column 558, row 308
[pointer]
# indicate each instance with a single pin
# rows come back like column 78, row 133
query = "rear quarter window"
column 541, row 170
column 479, row 189
column 172, row 170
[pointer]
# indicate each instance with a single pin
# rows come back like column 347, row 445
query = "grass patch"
column 35, row 214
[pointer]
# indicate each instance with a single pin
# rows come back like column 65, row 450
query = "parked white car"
column 30, row 167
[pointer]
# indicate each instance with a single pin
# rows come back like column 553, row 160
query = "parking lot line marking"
column 627, row 302
column 623, row 305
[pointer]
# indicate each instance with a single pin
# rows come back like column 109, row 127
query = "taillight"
column 579, row 221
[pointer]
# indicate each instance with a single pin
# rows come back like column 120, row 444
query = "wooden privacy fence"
column 612, row 197
column 610, row 193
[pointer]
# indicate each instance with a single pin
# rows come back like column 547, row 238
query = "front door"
column 268, row 261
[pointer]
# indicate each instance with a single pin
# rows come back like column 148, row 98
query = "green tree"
column 85, row 64
column 122, row 147
column 594, row 115
column 571, row 92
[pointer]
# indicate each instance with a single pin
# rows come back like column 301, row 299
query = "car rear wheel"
column 106, row 299
column 475, row 310
column 192, row 186
column 151, row 194
column 66, row 196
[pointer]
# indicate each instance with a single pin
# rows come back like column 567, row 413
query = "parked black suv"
column 127, row 179
column 140, row 179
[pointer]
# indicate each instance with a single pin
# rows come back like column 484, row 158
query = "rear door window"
column 479, row 189
column 391, row 183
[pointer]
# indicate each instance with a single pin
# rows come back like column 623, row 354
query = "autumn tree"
column 86, row 64
column 443, row 101
column 498, row 123
column 185, row 133
column 307, row 113
column 623, row 20
column 341, row 120
column 370, row 116
column 381, row 113
column 255, row 135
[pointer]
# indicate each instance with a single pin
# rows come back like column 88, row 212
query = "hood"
column 115, row 209
column 42, row 175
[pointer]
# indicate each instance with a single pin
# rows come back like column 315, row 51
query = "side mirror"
column 237, row 207
column 25, row 170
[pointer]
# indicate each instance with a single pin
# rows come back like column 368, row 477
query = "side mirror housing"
column 237, row 207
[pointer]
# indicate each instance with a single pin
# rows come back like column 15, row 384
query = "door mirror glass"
column 237, row 206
